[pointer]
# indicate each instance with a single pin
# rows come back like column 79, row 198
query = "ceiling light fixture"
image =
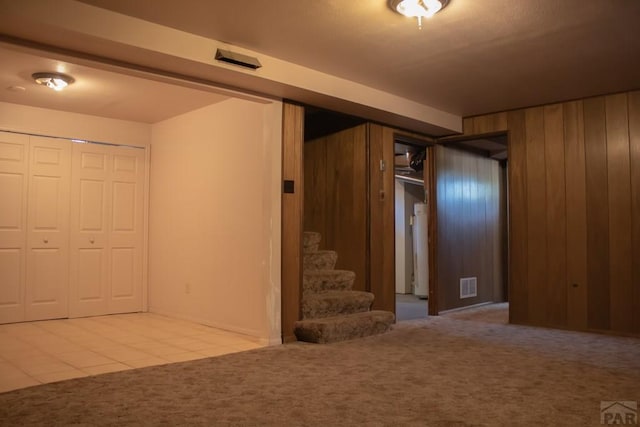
column 55, row 81
column 418, row 8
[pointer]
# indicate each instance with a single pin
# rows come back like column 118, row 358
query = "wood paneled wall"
column 382, row 217
column 292, row 214
column 349, row 199
column 574, row 200
column 470, row 226
column 335, row 198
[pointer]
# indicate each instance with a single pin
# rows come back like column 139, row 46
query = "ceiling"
column 96, row 91
column 472, row 58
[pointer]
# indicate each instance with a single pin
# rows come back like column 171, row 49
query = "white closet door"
column 14, row 153
column 126, row 238
column 90, row 194
column 107, row 230
column 47, row 278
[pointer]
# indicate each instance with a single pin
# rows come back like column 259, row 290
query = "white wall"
column 406, row 195
column 43, row 121
column 214, row 225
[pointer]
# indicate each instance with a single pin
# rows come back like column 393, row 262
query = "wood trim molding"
column 292, row 217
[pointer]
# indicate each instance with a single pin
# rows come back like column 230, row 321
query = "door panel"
column 46, row 290
column 71, row 228
column 88, row 285
column 14, row 150
column 106, row 265
column 126, row 235
column 90, row 273
column 124, row 207
column 123, row 273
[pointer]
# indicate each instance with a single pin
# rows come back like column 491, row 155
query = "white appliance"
column 420, row 251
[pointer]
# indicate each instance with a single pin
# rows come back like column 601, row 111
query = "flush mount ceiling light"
column 418, row 8
column 55, row 81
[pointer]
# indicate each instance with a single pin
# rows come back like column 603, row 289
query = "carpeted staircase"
column 331, row 310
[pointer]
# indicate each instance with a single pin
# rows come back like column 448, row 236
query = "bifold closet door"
column 106, row 230
column 47, row 260
column 14, row 154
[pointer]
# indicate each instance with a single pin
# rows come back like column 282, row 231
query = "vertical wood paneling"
column 634, row 151
column 431, row 188
column 536, row 215
column 443, row 201
column 576, row 216
column 466, row 202
column 292, row 217
column 336, row 197
column 574, row 212
column 466, row 242
column 620, row 243
column 484, row 242
column 381, row 218
column 556, row 291
column 344, row 216
column 492, row 192
column 467, row 126
column 502, row 265
column 315, row 194
column 597, row 214
column 518, row 253
column 489, row 123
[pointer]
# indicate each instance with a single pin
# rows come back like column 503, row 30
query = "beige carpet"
column 461, row 369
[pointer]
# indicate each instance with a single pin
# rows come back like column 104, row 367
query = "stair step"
column 335, row 303
column 311, row 241
column 345, row 327
column 319, row 260
column 327, row 280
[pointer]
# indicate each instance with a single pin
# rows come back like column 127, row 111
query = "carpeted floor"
column 460, row 369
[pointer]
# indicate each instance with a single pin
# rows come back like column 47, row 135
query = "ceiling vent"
column 238, row 59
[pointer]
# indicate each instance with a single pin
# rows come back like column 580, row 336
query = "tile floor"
column 35, row 353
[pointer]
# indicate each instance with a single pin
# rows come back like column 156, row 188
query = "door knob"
column 45, row 240
column 91, row 240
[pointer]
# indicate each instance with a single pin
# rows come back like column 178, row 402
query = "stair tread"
column 324, row 280
column 328, row 272
column 332, row 303
column 344, row 327
column 319, row 260
column 339, row 294
column 310, row 241
column 337, row 319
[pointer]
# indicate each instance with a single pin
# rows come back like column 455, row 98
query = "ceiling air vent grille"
column 238, row 59
column 468, row 287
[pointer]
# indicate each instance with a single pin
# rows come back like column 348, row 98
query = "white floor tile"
column 105, row 369
column 33, row 353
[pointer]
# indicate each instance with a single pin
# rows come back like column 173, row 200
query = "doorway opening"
column 411, row 165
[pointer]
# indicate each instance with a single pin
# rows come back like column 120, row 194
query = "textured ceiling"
column 96, row 92
column 474, row 57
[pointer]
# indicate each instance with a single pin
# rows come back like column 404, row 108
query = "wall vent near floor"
column 468, row 287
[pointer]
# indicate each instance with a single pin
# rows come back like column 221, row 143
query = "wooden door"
column 47, row 277
column 107, row 230
column 14, row 153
